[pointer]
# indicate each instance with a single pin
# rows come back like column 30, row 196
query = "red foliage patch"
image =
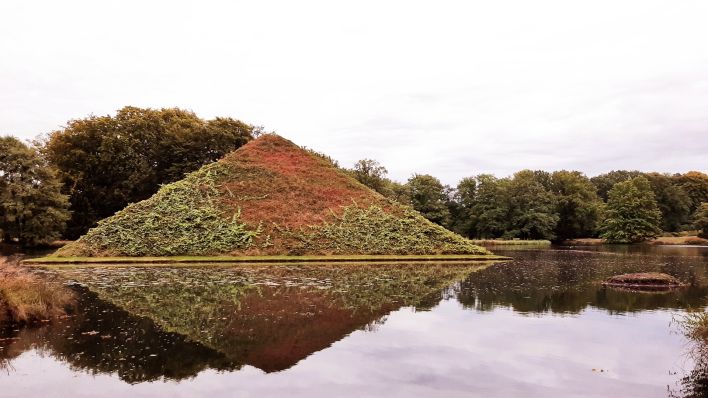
column 277, row 182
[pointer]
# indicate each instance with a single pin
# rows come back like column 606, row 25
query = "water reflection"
column 538, row 326
column 567, row 281
column 173, row 322
column 102, row 338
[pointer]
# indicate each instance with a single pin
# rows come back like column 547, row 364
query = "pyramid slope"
column 268, row 197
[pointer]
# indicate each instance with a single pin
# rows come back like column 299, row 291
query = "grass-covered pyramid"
column 268, row 197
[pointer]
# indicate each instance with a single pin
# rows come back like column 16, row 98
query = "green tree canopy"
column 632, row 214
column 695, row 184
column 107, row 162
column 577, row 204
column 700, row 220
column 673, row 201
column 489, row 207
column 605, row 182
column 532, row 208
column 32, row 208
column 461, row 207
column 372, row 174
column 430, row 197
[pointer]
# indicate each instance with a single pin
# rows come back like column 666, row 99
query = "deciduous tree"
column 700, row 220
column 632, row 214
column 32, row 208
column 673, row 201
column 532, row 208
column 577, row 204
column 107, row 162
column 429, row 197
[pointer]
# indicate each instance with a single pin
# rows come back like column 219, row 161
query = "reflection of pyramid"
column 268, row 316
column 103, row 338
column 268, row 197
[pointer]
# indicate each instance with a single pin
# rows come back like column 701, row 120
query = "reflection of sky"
column 448, row 351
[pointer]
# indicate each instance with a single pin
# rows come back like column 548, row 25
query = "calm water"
column 537, row 326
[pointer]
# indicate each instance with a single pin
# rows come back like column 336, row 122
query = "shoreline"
column 262, row 259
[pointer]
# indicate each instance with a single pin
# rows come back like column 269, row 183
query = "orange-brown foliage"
column 278, row 176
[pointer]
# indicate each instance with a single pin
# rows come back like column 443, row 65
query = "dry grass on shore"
column 27, row 298
column 689, row 240
column 509, row 242
column 680, row 240
column 695, row 325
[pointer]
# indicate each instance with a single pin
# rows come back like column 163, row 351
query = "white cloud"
column 448, row 88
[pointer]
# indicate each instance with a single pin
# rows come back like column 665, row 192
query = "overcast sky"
column 442, row 87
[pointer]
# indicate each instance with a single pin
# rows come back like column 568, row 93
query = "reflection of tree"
column 268, row 316
column 567, row 282
column 102, row 338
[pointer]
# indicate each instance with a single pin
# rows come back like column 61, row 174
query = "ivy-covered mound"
column 268, row 197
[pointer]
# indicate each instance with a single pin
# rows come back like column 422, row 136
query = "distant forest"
column 62, row 184
column 621, row 206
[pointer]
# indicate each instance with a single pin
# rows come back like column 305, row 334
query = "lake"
column 539, row 325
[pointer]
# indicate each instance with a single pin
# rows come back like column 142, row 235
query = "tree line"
column 65, row 182
column 620, row 206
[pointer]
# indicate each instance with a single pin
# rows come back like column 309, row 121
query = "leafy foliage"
column 107, row 162
column 700, row 220
column 578, row 205
column 695, row 184
column 605, row 182
column 182, row 218
column 32, row 208
column 372, row 174
column 518, row 207
column 632, row 213
column 532, row 213
column 374, row 231
column 677, row 195
column 430, row 197
column 269, row 197
column 673, row 201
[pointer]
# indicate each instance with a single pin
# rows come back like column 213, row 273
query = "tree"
column 605, row 182
column 107, row 162
column 673, row 201
column 532, row 208
column 430, row 197
column 32, row 208
column 700, row 220
column 695, row 184
column 632, row 214
column 489, row 212
column 577, row 205
column 461, row 213
column 398, row 192
column 372, row 174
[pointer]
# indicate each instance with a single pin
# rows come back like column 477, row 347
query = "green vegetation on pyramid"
column 268, row 197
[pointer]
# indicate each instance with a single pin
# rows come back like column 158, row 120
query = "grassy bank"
column 663, row 240
column 263, row 259
column 26, row 297
column 679, row 240
column 515, row 242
